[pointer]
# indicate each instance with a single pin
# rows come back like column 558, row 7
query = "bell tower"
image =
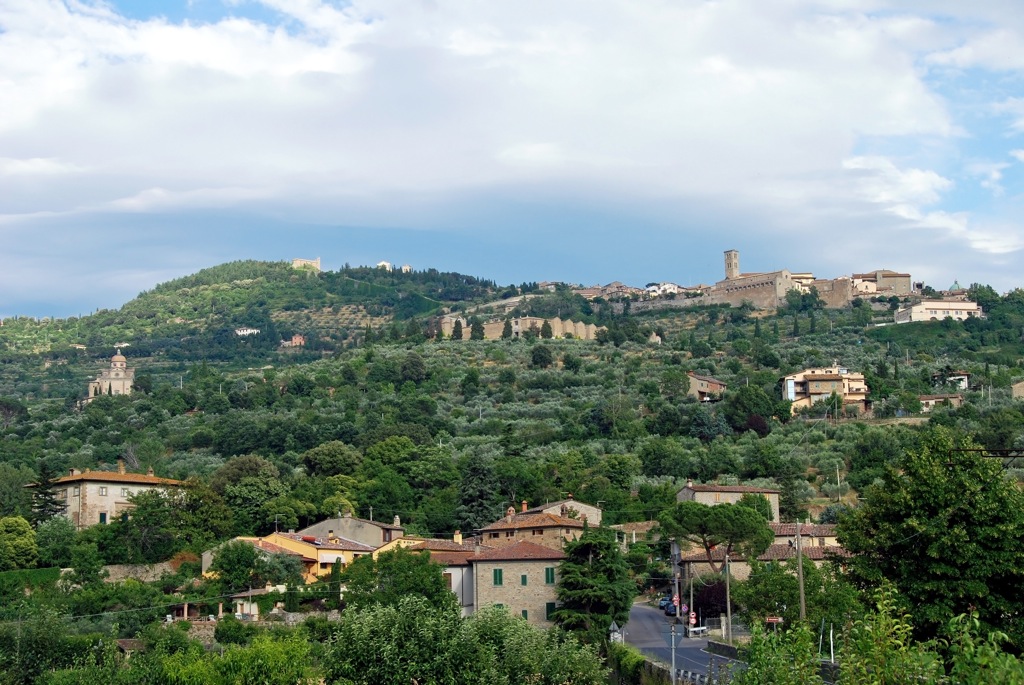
column 732, row 264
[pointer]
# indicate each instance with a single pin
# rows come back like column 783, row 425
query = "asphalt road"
column 649, row 630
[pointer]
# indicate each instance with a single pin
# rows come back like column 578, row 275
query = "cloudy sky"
column 578, row 140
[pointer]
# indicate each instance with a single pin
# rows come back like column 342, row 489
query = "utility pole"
column 800, row 572
column 674, row 649
column 728, row 603
column 675, row 578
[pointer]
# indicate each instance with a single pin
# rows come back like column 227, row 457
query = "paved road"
column 649, row 630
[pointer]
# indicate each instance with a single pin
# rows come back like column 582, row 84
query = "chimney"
column 570, row 496
column 524, row 506
column 149, row 471
column 398, row 521
column 120, row 465
column 510, row 514
column 72, row 472
column 457, row 538
column 689, row 482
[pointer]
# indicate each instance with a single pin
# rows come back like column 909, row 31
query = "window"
column 522, row 579
column 500, row 606
column 510, row 533
column 492, row 535
column 549, row 609
column 76, row 491
column 497, row 573
column 549, row 575
column 526, row 614
column 103, row 491
column 448, row 581
column 538, row 531
column 103, row 517
column 124, row 492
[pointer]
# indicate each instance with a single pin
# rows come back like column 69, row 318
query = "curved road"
column 649, row 630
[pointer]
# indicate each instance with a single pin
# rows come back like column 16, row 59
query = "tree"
column 748, row 401
column 332, row 458
column 758, row 503
column 506, row 330
column 594, row 585
column 414, row 369
column 740, row 530
column 18, row 548
column 545, row 330
column 55, row 538
column 457, row 330
column 87, row 565
column 45, row 502
column 392, row 576
column 944, row 527
column 476, row 330
column 479, row 494
column 541, row 357
column 236, row 564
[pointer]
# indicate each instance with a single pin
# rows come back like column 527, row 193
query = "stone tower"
column 732, row 264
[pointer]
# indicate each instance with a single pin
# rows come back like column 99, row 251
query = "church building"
column 117, row 380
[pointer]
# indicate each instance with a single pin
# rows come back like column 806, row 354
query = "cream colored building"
column 306, row 264
column 806, row 387
column 93, row 497
column 569, row 508
column 937, row 310
column 705, row 388
column 726, row 494
column 117, row 380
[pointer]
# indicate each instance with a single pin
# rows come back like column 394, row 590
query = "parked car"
column 670, row 608
column 666, row 600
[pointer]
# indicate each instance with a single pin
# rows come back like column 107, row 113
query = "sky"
column 585, row 141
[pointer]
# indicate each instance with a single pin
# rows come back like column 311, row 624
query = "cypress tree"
column 45, row 503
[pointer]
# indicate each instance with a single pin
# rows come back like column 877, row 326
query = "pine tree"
column 757, row 328
column 796, row 326
column 476, row 331
column 479, row 501
column 813, row 321
column 506, row 330
column 545, row 330
column 45, row 503
column 594, row 587
column 457, row 330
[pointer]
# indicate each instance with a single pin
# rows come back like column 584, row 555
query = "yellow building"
column 806, row 387
column 319, row 554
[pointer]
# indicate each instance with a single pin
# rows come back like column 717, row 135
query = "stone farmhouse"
column 370, row 533
column 705, row 388
column 546, row 529
column 713, row 494
column 94, row 497
column 521, row 577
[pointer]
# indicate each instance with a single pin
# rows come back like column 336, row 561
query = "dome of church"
column 118, row 358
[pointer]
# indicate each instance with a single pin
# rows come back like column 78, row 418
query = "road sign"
column 684, row 608
column 693, row 614
column 693, row 620
column 675, row 600
column 774, row 619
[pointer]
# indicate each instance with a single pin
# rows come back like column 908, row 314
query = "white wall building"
column 937, row 310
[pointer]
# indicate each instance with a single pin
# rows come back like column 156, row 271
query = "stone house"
column 370, row 533
column 929, row 402
column 705, row 388
column 545, row 529
column 522, row 577
column 92, row 497
column 726, row 494
column 569, row 508
column 817, row 542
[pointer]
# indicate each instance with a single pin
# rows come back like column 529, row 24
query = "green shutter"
column 549, row 609
column 522, row 579
column 525, row 614
column 549, row 575
column 497, row 576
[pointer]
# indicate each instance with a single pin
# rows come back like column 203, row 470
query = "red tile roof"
column 818, row 530
column 773, row 553
column 520, row 521
column 730, row 488
column 115, row 477
column 519, row 551
column 323, row 543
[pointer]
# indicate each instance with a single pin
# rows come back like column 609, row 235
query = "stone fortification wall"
column 145, row 573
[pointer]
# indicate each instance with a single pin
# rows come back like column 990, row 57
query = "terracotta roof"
column 115, row 477
column 519, row 551
column 818, row 530
column 528, row 520
column 940, row 397
column 324, row 543
column 272, row 548
column 773, row 553
column 437, row 545
column 730, row 488
column 708, row 379
column 823, row 377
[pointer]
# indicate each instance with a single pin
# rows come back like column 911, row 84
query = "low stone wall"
column 145, row 573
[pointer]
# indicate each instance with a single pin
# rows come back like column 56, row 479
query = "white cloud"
column 1017, row 155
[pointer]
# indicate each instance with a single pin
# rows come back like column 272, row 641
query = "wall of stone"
column 512, row 594
column 145, row 573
